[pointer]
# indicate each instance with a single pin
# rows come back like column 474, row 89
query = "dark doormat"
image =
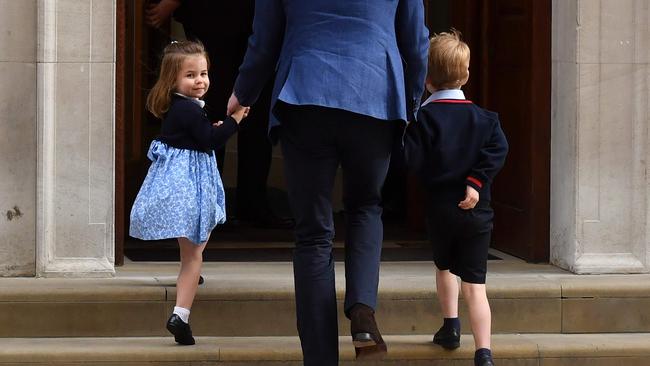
column 241, row 242
column 165, row 251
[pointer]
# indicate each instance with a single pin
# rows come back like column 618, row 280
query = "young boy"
column 457, row 148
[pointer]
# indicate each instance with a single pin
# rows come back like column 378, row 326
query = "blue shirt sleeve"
column 413, row 43
column 263, row 51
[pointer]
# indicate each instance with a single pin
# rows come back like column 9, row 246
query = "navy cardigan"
column 454, row 144
column 186, row 126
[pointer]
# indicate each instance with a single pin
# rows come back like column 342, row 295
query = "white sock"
column 183, row 313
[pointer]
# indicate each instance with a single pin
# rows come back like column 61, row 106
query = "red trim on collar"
column 455, row 101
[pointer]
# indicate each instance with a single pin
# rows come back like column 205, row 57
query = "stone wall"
column 75, row 193
column 17, row 137
column 599, row 184
column 57, row 61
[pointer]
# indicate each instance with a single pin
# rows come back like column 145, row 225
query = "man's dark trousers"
column 315, row 141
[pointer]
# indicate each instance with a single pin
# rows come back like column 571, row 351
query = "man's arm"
column 413, row 43
column 262, row 53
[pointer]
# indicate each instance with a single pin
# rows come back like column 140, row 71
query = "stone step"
column 256, row 299
column 509, row 350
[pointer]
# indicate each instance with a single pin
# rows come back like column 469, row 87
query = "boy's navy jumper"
column 452, row 145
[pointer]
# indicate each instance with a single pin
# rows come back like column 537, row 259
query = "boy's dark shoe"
column 484, row 361
column 483, row 357
column 447, row 337
column 368, row 343
column 181, row 330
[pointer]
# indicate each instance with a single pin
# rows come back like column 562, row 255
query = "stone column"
column 600, row 100
column 17, row 137
column 75, row 192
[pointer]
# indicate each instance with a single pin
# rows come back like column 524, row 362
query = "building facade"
column 58, row 139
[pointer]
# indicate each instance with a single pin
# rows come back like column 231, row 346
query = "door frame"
column 538, row 249
column 120, row 116
column 473, row 19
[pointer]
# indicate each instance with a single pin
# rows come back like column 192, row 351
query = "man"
column 341, row 93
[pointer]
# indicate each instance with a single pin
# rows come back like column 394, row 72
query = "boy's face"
column 192, row 80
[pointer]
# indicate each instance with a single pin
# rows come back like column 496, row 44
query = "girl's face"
column 192, row 80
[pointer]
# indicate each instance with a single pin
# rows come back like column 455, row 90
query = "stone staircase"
column 244, row 315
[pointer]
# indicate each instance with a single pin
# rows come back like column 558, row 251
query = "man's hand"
column 233, row 104
column 471, row 199
column 156, row 15
column 240, row 113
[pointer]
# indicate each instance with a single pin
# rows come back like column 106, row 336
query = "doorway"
column 510, row 74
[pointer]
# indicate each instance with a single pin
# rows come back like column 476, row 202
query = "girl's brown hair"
column 159, row 97
column 448, row 61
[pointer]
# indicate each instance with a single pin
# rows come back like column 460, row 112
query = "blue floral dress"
column 182, row 196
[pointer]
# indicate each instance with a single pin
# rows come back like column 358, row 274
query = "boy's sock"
column 451, row 323
column 182, row 313
column 481, row 353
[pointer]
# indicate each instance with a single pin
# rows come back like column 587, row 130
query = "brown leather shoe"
column 368, row 343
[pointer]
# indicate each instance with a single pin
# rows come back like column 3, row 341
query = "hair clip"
column 172, row 42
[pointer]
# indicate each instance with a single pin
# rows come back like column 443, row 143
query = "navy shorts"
column 460, row 239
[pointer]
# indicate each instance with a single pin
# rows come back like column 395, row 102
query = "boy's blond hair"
column 448, row 61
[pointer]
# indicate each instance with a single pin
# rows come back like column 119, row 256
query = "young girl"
column 182, row 196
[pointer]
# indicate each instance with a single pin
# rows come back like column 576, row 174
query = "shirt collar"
column 445, row 94
column 200, row 102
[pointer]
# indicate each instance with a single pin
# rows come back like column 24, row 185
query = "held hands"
column 157, row 14
column 471, row 199
column 233, row 104
column 240, row 113
column 236, row 110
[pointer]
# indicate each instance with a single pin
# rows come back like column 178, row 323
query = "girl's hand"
column 240, row 113
column 217, row 124
column 471, row 199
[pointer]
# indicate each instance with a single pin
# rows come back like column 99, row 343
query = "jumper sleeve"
column 491, row 159
column 413, row 42
column 263, row 51
column 201, row 129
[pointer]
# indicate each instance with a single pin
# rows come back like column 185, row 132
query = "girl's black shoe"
column 181, row 330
